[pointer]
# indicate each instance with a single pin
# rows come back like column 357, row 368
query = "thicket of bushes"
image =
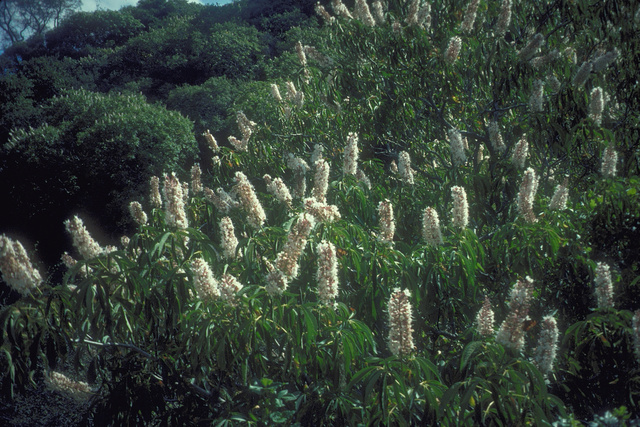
column 434, row 220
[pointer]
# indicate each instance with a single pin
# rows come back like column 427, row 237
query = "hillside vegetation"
column 359, row 213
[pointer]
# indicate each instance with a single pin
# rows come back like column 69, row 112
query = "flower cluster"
column 246, row 127
column 604, row 60
column 419, row 15
column 520, row 152
column 453, row 50
column 320, row 180
column 327, row 273
column 504, row 18
column 154, row 193
column 404, row 168
column 386, row 222
column 485, row 318
column 221, row 199
column 16, row 267
column 495, row 137
column 537, row 100
column 137, row 213
column 363, row 179
column 196, row 179
column 211, row 141
column 185, row 191
column 431, row 227
column 173, row 192
column 228, row 240
column 317, row 153
column 322, row 60
column 545, row 352
column 531, row 48
column 400, row 318
column 609, row 161
column 596, row 105
column 560, row 196
column 527, row 192
column 544, row 60
column 458, row 157
column 480, row 155
column 278, row 189
column 511, row 332
column 87, row 247
column 205, row 284
column 287, row 259
column 378, row 12
column 275, row 92
column 277, row 281
column 582, row 75
column 296, row 97
column 460, row 210
column 71, row 262
column 77, row 390
column 249, row 201
column 604, row 287
column 302, row 57
column 362, row 13
column 350, row 163
column 469, row 16
column 553, row 83
column 300, row 169
column 340, row 9
column 229, row 288
column 322, row 12
column 322, row 212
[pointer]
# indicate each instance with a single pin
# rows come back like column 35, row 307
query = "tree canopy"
column 20, row 19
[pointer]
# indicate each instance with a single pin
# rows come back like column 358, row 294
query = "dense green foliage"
column 136, row 322
column 101, row 146
column 203, row 62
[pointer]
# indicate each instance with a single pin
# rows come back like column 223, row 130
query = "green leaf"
column 361, row 374
column 468, row 394
column 468, row 352
column 311, row 324
column 159, row 247
column 447, row 399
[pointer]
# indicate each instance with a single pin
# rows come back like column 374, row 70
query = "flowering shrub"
column 424, row 277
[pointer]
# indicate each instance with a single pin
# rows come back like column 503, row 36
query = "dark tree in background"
column 20, row 19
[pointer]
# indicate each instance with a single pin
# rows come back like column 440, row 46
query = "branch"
column 444, row 334
column 199, row 390
column 431, row 103
column 125, row 345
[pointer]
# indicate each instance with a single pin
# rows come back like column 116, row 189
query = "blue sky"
column 91, row 5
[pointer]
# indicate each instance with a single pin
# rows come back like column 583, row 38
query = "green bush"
column 94, row 152
column 190, row 321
